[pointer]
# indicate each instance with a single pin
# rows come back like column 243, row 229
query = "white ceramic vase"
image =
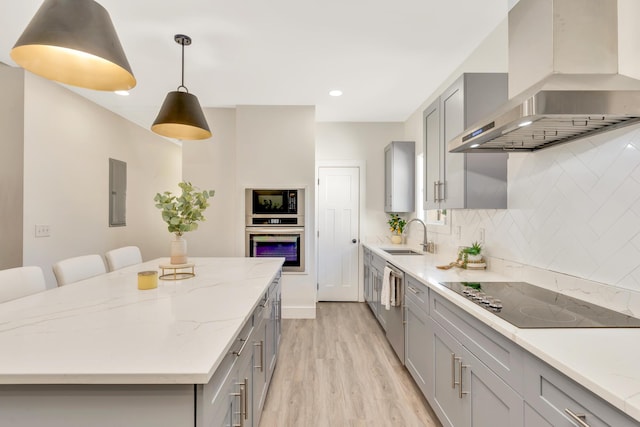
column 178, row 250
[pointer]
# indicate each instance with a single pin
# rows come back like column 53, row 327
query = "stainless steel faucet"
column 426, row 245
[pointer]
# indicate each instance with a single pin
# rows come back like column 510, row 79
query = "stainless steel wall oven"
column 275, row 225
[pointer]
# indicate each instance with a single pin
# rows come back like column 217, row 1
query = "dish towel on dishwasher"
column 386, row 290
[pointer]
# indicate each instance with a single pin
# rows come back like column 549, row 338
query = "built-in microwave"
column 279, row 207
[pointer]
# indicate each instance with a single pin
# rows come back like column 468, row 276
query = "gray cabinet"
column 464, row 180
column 418, row 351
column 236, row 394
column 399, row 176
column 557, row 400
column 478, row 373
column 366, row 273
column 466, row 392
column 377, row 271
column 446, row 401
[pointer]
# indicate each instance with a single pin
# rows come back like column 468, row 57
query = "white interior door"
column 338, row 225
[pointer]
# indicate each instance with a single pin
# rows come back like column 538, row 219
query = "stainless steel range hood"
column 575, row 67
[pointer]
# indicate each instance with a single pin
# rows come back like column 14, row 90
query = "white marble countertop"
column 104, row 330
column 601, row 360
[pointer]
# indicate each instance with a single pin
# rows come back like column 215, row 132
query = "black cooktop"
column 528, row 306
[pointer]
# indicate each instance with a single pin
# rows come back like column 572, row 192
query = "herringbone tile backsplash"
column 573, row 209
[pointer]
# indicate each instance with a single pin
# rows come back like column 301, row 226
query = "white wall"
column 68, row 141
column 276, row 148
column 211, row 165
column 362, row 142
column 11, row 166
column 253, row 147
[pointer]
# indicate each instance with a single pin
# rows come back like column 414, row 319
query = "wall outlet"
column 458, row 231
column 481, row 238
column 42, row 230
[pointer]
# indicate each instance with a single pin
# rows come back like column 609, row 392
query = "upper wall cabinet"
column 464, row 180
column 400, row 176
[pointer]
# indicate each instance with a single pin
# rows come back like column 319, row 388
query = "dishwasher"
column 395, row 315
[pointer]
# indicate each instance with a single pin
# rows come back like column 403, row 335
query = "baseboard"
column 298, row 312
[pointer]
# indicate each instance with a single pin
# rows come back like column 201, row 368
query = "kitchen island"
column 600, row 360
column 101, row 352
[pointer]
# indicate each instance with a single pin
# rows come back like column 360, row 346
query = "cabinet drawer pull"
column 435, row 191
column 578, row 418
column 244, row 343
column 414, row 290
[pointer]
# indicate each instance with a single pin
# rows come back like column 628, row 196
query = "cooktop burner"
column 528, row 306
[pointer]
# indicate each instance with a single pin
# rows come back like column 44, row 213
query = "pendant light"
column 74, row 42
column 180, row 116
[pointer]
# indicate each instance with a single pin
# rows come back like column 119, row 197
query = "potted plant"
column 396, row 224
column 182, row 214
column 470, row 253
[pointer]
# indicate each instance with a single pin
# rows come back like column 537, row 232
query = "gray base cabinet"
column 236, row 394
column 557, row 400
column 473, row 376
column 375, row 270
column 417, row 327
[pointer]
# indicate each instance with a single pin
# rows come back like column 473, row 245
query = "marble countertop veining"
column 104, row 330
column 603, row 360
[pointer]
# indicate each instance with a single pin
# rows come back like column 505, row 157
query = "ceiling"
column 386, row 56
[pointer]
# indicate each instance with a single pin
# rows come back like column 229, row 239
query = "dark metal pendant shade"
column 74, row 42
column 181, row 117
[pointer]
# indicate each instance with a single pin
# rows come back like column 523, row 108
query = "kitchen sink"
column 402, row 252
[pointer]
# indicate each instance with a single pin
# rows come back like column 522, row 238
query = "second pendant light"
column 180, row 116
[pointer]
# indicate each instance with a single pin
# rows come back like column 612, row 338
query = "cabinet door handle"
column 261, row 344
column 461, row 367
column 453, row 371
column 246, row 391
column 240, row 412
column 580, row 419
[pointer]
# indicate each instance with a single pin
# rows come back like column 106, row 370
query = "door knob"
column 354, row 241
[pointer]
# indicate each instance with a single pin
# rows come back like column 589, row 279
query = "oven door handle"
column 275, row 230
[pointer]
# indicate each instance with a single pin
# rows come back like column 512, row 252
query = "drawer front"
column 378, row 262
column 417, row 293
column 501, row 355
column 550, row 393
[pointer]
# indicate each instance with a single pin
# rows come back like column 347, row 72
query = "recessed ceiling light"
column 527, row 123
column 475, row 145
column 122, row 92
column 335, row 92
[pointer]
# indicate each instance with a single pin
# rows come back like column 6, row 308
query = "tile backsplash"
column 574, row 211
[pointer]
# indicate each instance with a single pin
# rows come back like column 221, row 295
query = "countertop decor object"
column 182, row 214
column 147, row 280
column 176, row 271
column 181, row 116
column 471, row 257
column 74, row 42
column 396, row 225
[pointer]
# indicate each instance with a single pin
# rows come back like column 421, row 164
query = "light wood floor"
column 339, row 370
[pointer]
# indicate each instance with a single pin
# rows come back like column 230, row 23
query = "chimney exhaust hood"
column 575, row 67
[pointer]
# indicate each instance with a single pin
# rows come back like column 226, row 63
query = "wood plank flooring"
column 339, row 370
